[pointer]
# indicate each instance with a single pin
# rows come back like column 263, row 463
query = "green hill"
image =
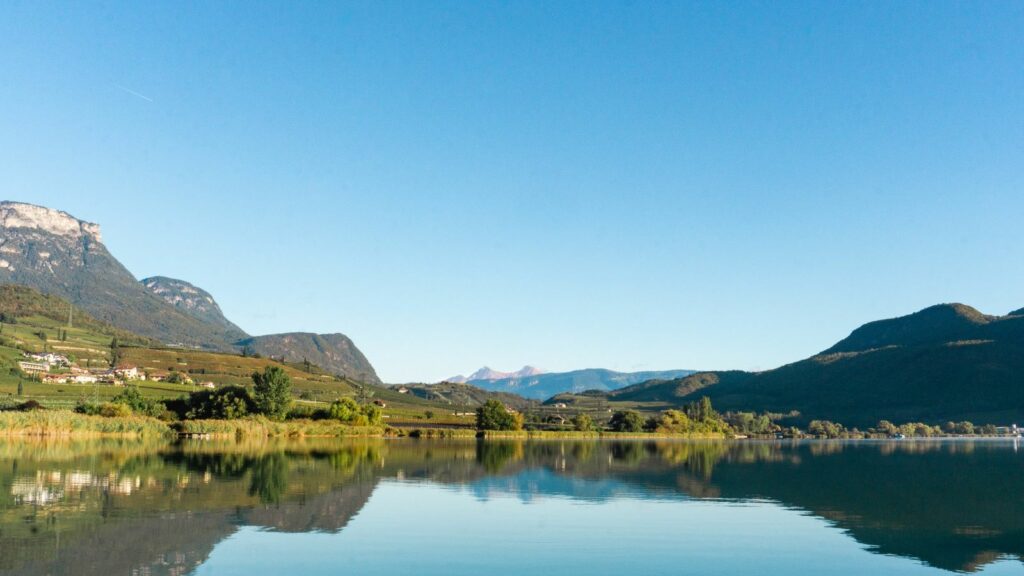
column 947, row 362
column 458, row 394
column 335, row 353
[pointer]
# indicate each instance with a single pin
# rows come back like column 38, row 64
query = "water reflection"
column 110, row 507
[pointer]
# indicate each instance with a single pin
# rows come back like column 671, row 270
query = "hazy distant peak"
column 488, row 373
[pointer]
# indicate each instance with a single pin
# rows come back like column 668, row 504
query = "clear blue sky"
column 627, row 185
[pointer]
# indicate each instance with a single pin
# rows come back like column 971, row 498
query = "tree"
column 21, row 387
column 493, row 416
column 583, row 423
column 825, row 428
column 115, row 352
column 886, row 427
column 627, row 421
column 964, row 428
column 429, row 414
column 363, row 393
column 272, row 392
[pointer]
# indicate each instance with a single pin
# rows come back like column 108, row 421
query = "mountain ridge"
column 945, row 362
column 58, row 254
column 335, row 352
column 51, row 251
column 193, row 301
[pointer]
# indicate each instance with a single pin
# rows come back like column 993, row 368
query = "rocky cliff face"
column 193, row 301
column 58, row 254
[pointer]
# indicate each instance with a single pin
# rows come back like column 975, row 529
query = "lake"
column 387, row 507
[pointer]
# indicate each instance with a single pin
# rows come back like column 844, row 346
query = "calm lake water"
column 393, row 507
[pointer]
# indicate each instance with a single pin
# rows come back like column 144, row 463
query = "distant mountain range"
column 58, row 254
column 946, row 362
column 487, row 373
column 530, row 382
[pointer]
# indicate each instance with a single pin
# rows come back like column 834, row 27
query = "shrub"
column 133, row 399
column 583, row 423
column 226, row 403
column 493, row 416
column 114, row 410
column 348, row 411
column 88, row 408
column 627, row 421
column 30, row 405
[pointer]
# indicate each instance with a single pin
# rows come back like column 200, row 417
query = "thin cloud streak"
column 134, row 93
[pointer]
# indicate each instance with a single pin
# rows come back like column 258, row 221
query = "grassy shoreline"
column 68, row 424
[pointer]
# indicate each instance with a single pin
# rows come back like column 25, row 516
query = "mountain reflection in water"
column 128, row 507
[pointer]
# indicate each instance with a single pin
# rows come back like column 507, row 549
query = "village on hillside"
column 51, row 368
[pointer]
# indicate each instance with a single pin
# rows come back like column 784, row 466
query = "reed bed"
column 67, row 423
column 258, row 427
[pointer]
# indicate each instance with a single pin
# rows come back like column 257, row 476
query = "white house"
column 34, row 367
column 50, row 358
column 129, row 373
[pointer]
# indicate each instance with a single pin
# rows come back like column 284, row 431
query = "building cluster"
column 53, row 368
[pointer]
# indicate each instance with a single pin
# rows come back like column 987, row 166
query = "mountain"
column 946, row 362
column 528, row 383
column 335, row 353
column 20, row 302
column 195, row 302
column 486, row 373
column 458, row 394
column 58, row 254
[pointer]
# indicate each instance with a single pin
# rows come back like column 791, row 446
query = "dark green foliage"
column 226, row 403
column 272, row 390
column 493, row 416
column 29, row 406
column 627, row 421
column 269, row 478
column 115, row 352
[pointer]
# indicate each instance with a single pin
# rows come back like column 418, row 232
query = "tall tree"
column 272, row 392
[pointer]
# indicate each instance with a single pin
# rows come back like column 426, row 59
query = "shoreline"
column 67, row 424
